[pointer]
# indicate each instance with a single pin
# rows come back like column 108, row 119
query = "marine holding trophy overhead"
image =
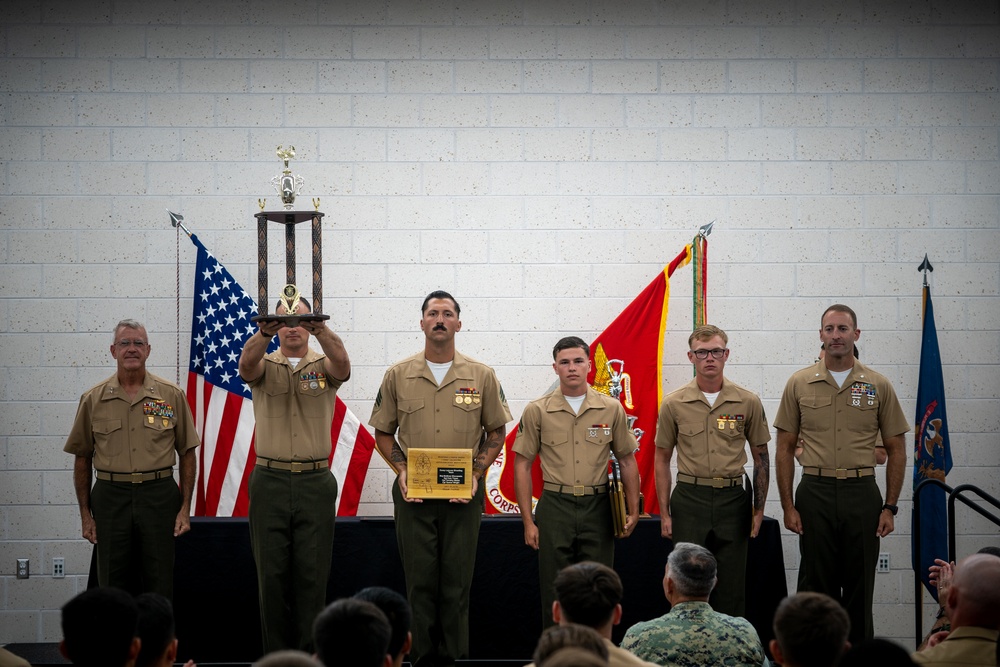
column 574, row 429
column 440, row 419
column 293, row 496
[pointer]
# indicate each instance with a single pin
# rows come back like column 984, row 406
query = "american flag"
column 222, row 403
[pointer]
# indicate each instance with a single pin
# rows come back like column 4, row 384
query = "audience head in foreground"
column 974, row 601
column 352, row 632
column 876, row 653
column 156, row 630
column 99, row 629
column 288, row 658
column 570, row 635
column 397, row 611
column 810, row 630
column 692, row 633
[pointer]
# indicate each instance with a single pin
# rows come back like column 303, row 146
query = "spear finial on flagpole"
column 177, row 220
column 705, row 230
column 925, row 266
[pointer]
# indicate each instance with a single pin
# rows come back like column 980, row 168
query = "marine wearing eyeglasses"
column 710, row 422
column 131, row 429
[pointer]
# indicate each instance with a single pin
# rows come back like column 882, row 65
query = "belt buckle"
column 135, row 477
column 718, row 482
column 841, row 473
column 579, row 490
column 296, row 466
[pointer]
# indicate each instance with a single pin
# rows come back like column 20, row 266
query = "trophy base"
column 291, row 320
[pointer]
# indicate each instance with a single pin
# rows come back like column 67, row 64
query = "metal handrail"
column 954, row 494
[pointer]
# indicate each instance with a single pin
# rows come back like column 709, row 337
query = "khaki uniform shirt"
column 132, row 435
column 574, row 447
column 294, row 408
column 710, row 440
column 428, row 415
column 839, row 426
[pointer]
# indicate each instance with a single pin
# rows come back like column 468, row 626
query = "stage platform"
column 215, row 596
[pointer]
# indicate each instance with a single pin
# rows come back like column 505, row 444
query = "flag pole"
column 177, row 220
column 925, row 266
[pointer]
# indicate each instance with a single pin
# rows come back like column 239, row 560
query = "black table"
column 215, row 595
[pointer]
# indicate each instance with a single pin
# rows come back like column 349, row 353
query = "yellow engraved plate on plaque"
column 439, row 473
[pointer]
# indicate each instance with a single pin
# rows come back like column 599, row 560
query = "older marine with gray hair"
column 131, row 429
column 693, row 634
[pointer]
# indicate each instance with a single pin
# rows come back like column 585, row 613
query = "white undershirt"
column 840, row 376
column 294, row 361
column 711, row 397
column 439, row 370
column 575, row 402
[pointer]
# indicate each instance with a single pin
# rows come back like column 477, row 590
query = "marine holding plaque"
column 293, row 495
column 440, row 420
column 574, row 429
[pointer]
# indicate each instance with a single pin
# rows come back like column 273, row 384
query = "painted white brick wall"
column 541, row 160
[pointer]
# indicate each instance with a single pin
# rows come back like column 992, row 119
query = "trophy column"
column 290, row 293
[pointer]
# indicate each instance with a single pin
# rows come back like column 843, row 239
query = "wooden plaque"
column 439, row 473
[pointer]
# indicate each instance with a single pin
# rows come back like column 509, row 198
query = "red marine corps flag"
column 626, row 363
column 222, row 404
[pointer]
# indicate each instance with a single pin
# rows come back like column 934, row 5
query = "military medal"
column 592, row 432
column 166, row 422
column 150, row 418
column 458, row 400
column 314, row 384
column 721, row 421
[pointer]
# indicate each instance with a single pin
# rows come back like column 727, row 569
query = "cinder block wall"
column 540, row 159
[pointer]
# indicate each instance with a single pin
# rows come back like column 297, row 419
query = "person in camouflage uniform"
column 692, row 634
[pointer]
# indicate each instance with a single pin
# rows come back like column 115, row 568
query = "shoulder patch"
column 378, row 398
column 503, row 399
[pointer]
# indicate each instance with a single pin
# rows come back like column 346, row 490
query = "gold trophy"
column 288, row 187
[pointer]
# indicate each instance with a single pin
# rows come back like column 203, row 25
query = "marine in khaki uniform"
column 836, row 409
column 709, row 422
column 293, row 496
column 422, row 403
column 130, row 429
column 574, row 429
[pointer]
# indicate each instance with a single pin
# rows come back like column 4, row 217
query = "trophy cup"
column 288, row 187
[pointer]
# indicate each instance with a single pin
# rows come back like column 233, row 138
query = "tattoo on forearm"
column 489, row 448
column 761, row 474
column 397, row 455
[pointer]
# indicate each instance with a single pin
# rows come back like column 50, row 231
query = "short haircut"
column 352, row 632
column 564, row 636
column 992, row 551
column 880, row 652
column 839, row 308
column 588, row 593
column 288, row 658
column 811, row 629
column 440, row 294
column 301, row 298
column 396, row 610
column 98, row 627
column 572, row 656
column 155, row 627
column 126, row 324
column 568, row 343
column 693, row 569
column 707, row 332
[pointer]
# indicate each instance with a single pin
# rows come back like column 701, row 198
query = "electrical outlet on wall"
column 58, row 567
column 883, row 562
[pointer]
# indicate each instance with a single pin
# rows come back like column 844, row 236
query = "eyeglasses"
column 717, row 353
column 131, row 343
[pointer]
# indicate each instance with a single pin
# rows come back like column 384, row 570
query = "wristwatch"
column 891, row 508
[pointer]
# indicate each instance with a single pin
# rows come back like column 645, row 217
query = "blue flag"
column 931, row 451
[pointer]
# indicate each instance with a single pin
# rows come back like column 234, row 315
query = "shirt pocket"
column 159, row 433
column 467, row 418
column 411, row 415
column 108, row 436
column 863, row 418
column 815, row 413
column 691, row 433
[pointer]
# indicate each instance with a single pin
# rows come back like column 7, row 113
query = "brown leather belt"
column 575, row 490
column 714, row 482
column 293, row 466
column 839, row 473
column 134, row 477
